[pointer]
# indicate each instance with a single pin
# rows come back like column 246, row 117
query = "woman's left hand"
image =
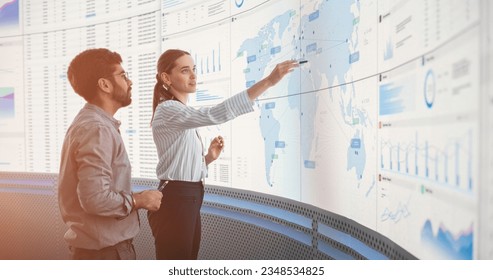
column 215, row 149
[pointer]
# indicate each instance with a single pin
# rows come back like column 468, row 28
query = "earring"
column 165, row 87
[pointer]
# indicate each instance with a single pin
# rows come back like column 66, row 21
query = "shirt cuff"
column 128, row 204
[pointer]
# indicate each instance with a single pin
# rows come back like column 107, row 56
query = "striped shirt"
column 174, row 129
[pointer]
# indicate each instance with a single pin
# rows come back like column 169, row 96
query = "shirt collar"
column 103, row 114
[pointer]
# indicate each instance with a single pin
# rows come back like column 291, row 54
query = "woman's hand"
column 281, row 70
column 215, row 149
column 274, row 77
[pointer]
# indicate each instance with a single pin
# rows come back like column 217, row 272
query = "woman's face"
column 182, row 78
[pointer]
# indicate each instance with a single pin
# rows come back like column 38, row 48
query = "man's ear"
column 105, row 85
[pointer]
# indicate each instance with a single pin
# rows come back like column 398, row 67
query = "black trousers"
column 176, row 226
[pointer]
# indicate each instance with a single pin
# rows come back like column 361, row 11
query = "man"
column 94, row 188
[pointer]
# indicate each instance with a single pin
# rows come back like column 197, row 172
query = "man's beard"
column 124, row 98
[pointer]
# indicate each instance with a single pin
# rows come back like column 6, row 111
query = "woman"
column 182, row 166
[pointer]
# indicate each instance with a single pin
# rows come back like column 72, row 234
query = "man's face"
column 122, row 90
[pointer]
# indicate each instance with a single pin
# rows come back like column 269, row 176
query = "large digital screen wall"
column 385, row 123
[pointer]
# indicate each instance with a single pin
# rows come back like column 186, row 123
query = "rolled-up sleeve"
column 239, row 104
column 179, row 116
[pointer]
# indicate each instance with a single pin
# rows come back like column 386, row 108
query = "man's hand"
column 150, row 200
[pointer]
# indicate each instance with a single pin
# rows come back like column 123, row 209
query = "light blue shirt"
column 174, row 129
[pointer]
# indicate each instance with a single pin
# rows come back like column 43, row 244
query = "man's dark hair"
column 88, row 67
